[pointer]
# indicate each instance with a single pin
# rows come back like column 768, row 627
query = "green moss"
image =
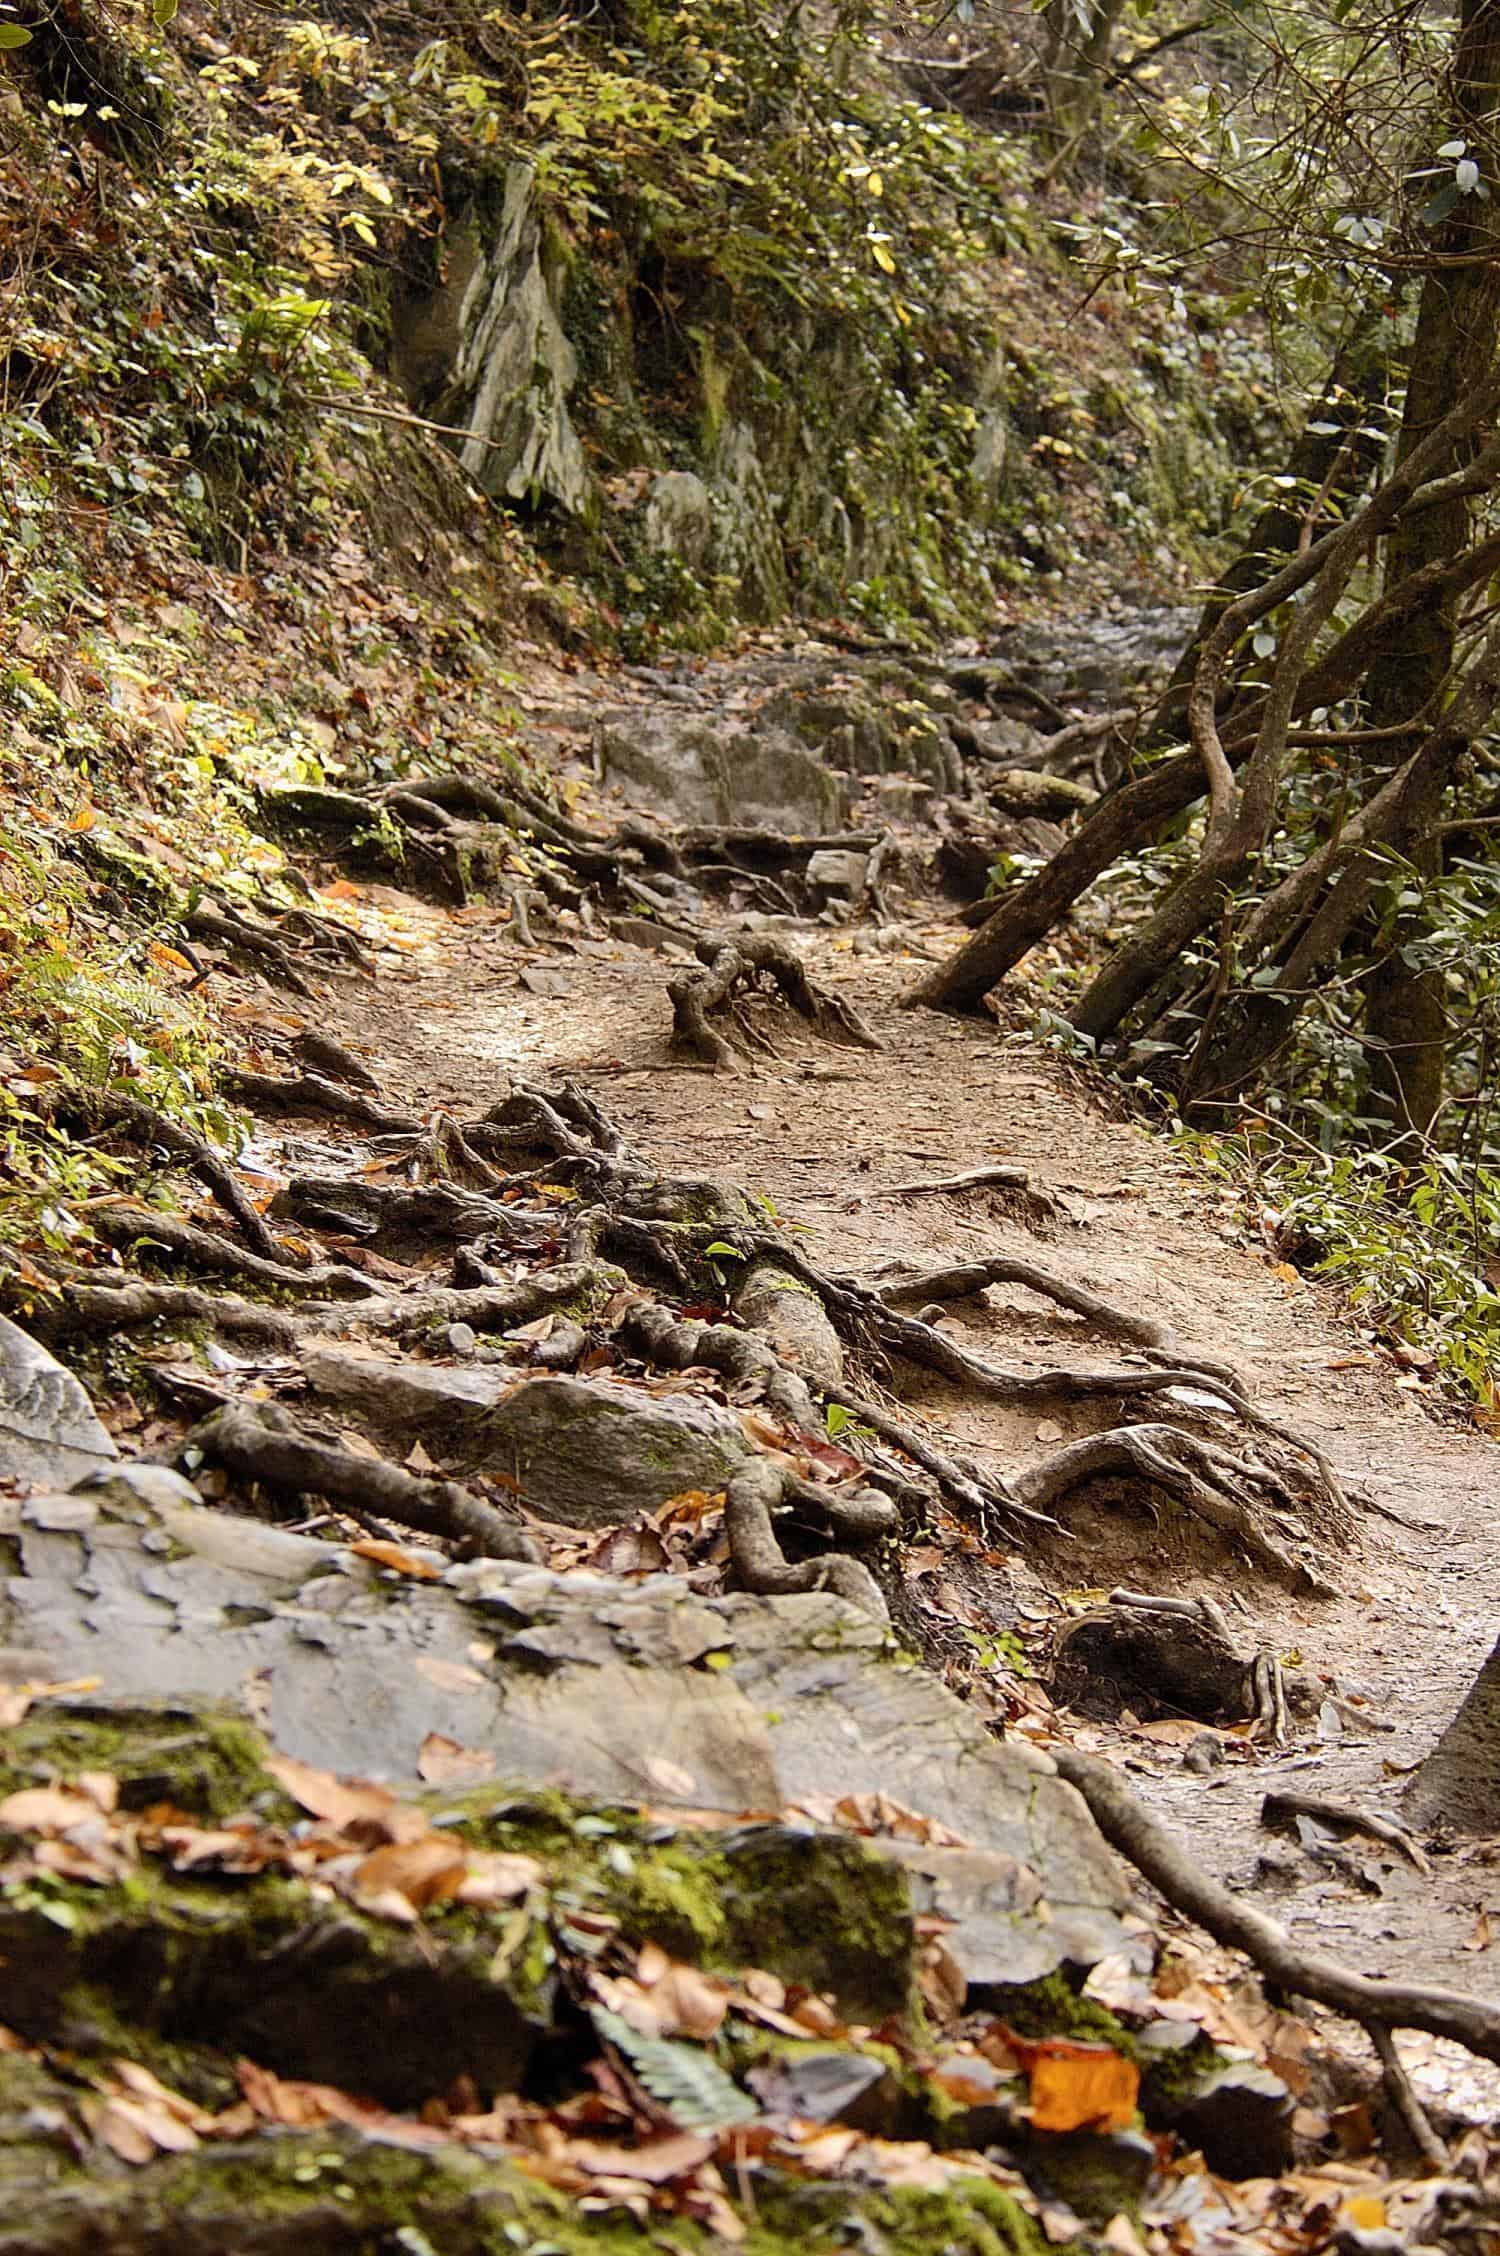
column 1052, row 2007
column 208, row 1763
column 972, row 2215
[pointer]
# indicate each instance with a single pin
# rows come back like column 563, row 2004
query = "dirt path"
column 825, row 1133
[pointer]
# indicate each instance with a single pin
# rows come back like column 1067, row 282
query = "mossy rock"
column 329, row 2192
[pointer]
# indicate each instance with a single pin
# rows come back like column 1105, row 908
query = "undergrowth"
column 1409, row 1241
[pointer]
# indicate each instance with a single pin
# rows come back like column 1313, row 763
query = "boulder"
column 679, row 517
column 623, row 1691
column 586, row 1452
column 49, row 1434
column 698, row 771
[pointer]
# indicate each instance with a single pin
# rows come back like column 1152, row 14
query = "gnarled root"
column 266, row 1445
column 757, row 1490
column 732, row 968
column 967, row 1280
column 128, row 1226
column 1212, row 1483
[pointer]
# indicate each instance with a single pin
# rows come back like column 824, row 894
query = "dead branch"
column 1010, row 1178
column 1368, row 1999
column 1404, row 2099
column 266, row 1446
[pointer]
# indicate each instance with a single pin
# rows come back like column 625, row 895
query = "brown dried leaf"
column 444, row 1762
column 325, row 1796
column 429, row 1870
column 47, row 1809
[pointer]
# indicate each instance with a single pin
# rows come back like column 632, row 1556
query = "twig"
column 1404, row 2099
column 1008, row 1177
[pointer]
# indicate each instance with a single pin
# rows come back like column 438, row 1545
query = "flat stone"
column 579, row 1681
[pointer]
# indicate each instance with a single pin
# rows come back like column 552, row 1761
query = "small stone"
column 833, row 870
column 1239, row 2116
column 461, row 1339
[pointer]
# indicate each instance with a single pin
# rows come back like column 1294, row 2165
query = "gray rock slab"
column 49, row 1434
column 586, row 1452
column 700, row 771
column 642, row 1692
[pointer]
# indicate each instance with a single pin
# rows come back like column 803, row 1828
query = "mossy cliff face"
column 744, row 328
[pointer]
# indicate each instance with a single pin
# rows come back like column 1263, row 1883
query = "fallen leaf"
column 1074, row 2086
column 425, row 1871
column 399, row 1560
column 325, row 1796
column 46, row 1809
column 442, row 1761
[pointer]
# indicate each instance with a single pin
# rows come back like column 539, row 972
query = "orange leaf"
column 83, row 817
column 1074, row 2086
column 400, row 1561
column 424, row 1871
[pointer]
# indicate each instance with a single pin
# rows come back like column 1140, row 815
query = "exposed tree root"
column 488, row 1308
column 982, row 1500
column 732, row 968
column 309, row 1092
column 1368, row 1999
column 1404, row 2099
column 757, row 1490
column 1219, row 1488
column 250, row 942
column 967, row 1280
column 1277, row 1807
column 265, row 1445
column 324, row 1055
column 677, row 1344
column 86, row 1309
column 429, row 1213
column 98, row 1109
column 205, row 1249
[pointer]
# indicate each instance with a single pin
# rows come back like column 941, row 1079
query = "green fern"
column 687, row 2081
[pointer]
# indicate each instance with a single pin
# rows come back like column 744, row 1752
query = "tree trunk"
column 1139, row 806
column 1459, row 1783
column 1406, row 1019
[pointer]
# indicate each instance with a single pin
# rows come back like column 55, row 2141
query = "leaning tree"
column 1323, row 736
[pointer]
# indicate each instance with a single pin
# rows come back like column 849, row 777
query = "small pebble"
column 462, row 1339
